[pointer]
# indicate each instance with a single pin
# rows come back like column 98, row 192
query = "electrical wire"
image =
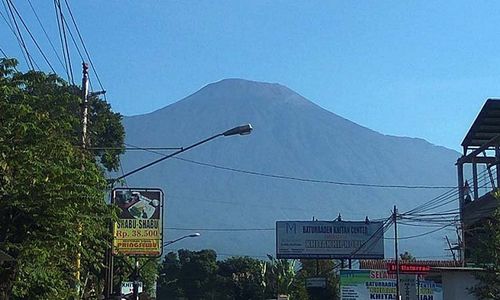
column 286, row 177
column 9, row 24
column 356, row 184
column 84, row 47
column 221, row 229
column 439, row 200
column 74, row 40
column 21, row 40
column 3, row 53
column 46, row 34
column 64, row 41
column 32, row 37
column 379, row 233
column 419, row 235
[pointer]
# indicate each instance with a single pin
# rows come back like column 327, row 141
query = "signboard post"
column 139, row 230
column 329, row 239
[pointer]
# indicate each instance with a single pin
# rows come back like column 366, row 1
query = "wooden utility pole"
column 85, row 103
column 85, row 94
column 396, row 255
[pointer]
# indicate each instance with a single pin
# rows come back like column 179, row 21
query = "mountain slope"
column 292, row 136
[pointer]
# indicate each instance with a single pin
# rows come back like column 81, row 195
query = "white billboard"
column 329, row 239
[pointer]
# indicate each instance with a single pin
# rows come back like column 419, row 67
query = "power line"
column 379, row 233
column 21, row 40
column 286, row 177
column 10, row 25
column 439, row 200
column 311, row 180
column 32, row 37
column 64, row 41
column 419, row 235
column 221, row 229
column 84, row 47
column 73, row 40
column 46, row 34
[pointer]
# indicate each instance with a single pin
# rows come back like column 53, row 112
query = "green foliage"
column 124, row 271
column 317, row 268
column 487, row 256
column 197, row 275
column 407, row 256
column 52, row 192
column 241, row 278
column 190, row 274
column 283, row 272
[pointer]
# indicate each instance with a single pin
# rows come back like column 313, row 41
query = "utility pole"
column 85, row 94
column 85, row 102
column 135, row 288
column 451, row 249
column 394, row 218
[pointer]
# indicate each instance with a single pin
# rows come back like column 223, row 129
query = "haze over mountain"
column 292, row 137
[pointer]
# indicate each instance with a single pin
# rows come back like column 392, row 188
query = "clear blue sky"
column 409, row 68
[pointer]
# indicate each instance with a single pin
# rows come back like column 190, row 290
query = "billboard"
column 329, row 239
column 139, row 230
column 379, row 284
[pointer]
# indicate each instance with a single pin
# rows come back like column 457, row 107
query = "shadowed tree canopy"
column 49, row 184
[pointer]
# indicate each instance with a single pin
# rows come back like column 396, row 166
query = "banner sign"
column 329, row 239
column 316, row 282
column 139, row 230
column 408, row 268
column 379, row 284
column 127, row 288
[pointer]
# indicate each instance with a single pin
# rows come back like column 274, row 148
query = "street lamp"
column 238, row 130
column 196, row 234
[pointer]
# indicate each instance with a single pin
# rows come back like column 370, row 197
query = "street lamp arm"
column 166, row 157
column 241, row 130
column 181, row 238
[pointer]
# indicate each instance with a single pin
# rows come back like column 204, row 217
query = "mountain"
column 292, row 137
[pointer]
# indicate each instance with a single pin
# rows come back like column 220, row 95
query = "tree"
column 282, row 272
column 124, row 271
column 50, row 187
column 487, row 255
column 191, row 275
column 407, row 256
column 168, row 278
column 319, row 268
column 241, row 278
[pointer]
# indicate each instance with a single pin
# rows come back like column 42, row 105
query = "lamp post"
column 238, row 130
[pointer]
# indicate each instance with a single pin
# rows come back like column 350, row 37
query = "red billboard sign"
column 406, row 268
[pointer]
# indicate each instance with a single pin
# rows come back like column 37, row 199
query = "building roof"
column 485, row 127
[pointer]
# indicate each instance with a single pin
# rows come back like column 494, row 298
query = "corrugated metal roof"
column 486, row 125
